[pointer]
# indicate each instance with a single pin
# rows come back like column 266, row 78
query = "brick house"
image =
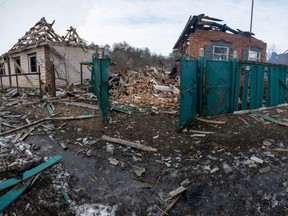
column 218, row 40
column 41, row 56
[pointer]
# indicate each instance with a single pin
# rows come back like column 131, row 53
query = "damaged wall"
column 42, row 50
column 204, row 39
column 218, row 40
column 66, row 61
column 25, row 65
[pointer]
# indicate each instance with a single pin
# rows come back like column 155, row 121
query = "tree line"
column 128, row 57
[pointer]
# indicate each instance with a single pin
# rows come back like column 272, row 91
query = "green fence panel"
column 282, row 84
column 272, row 90
column 256, row 87
column 100, row 69
column 236, row 83
column 200, row 85
column 260, row 86
column 188, row 92
column 247, row 75
column 233, row 84
column 217, row 86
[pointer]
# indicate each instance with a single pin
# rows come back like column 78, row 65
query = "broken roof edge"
column 206, row 20
column 42, row 33
column 13, row 52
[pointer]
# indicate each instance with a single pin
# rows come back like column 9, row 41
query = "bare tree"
column 272, row 49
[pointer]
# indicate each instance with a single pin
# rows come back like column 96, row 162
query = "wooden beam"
column 128, row 143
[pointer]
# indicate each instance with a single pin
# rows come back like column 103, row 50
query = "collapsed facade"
column 42, row 57
column 206, row 32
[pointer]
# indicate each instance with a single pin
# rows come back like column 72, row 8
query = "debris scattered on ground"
column 138, row 170
column 209, row 121
column 130, row 144
column 143, row 88
column 97, row 176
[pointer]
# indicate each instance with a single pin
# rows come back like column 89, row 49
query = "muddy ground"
column 99, row 177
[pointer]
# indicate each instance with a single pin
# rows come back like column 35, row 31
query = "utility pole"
column 251, row 19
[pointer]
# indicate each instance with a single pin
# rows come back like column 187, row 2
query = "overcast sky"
column 155, row 24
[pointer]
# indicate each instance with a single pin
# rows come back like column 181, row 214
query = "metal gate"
column 217, row 87
column 188, row 92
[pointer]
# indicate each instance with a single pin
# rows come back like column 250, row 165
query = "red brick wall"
column 200, row 38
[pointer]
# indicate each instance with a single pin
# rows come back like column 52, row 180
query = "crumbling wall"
column 66, row 61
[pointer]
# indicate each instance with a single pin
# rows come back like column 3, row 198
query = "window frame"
column 29, row 56
column 221, row 54
column 2, row 69
column 258, row 56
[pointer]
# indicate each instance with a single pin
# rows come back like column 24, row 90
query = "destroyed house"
column 218, row 40
column 42, row 57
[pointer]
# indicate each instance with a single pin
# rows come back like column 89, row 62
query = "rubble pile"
column 146, row 87
column 16, row 158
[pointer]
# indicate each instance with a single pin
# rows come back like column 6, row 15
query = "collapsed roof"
column 42, row 33
column 206, row 23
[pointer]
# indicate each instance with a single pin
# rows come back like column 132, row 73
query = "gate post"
column 235, row 79
column 200, row 81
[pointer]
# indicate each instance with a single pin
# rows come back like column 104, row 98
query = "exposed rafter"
column 73, row 38
column 42, row 33
column 206, row 23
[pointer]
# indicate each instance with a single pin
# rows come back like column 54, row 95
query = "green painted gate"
column 188, row 92
column 99, row 82
column 276, row 86
column 216, row 87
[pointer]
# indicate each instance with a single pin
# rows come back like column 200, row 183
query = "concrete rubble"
column 146, row 87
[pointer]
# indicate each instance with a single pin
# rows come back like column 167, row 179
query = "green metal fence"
column 99, row 83
column 188, row 91
column 217, row 87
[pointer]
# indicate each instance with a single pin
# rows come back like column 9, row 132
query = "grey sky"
column 155, row 24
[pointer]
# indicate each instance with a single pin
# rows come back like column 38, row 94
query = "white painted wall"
column 66, row 60
column 68, row 66
column 28, row 81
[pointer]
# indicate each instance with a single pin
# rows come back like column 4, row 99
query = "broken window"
column 32, row 63
column 2, row 69
column 254, row 56
column 17, row 65
column 220, row 53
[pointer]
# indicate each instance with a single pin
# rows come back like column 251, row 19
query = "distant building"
column 279, row 58
column 218, row 40
column 42, row 50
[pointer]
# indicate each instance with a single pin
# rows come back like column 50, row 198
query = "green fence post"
column 100, row 68
column 234, row 80
column 200, row 83
column 260, row 86
column 188, row 92
column 245, row 88
column 253, row 86
column 273, row 87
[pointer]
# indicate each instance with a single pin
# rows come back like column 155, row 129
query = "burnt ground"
column 225, row 180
